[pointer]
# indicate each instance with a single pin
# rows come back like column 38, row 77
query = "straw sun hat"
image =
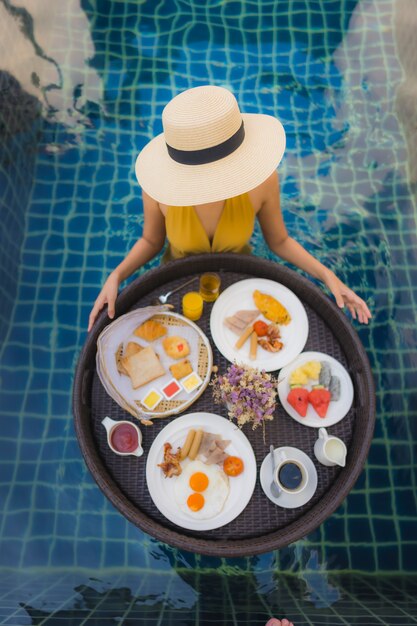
column 209, row 150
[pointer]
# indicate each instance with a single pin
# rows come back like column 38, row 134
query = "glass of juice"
column 192, row 305
column 209, row 286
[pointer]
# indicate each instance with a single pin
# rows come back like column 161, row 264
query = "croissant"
column 150, row 330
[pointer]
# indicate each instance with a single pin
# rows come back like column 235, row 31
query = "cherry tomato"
column 233, row 466
column 260, row 328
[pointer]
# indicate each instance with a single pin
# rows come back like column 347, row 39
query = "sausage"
column 195, row 445
column 187, row 444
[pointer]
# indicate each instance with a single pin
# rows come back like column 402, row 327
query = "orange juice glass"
column 192, row 305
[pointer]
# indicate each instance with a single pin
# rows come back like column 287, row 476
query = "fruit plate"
column 337, row 409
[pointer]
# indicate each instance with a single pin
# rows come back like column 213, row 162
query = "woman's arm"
column 275, row 233
column 151, row 242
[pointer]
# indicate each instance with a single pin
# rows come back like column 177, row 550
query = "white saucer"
column 289, row 500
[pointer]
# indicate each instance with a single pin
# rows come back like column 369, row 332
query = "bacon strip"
column 171, row 465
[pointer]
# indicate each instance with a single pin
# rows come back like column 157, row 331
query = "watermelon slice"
column 298, row 398
column 320, row 399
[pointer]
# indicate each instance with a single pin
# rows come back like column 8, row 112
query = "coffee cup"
column 330, row 450
column 123, row 437
column 290, row 475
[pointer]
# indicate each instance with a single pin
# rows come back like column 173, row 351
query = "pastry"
column 181, row 369
column 176, row 347
column 143, row 367
column 150, row 330
column 118, row 356
column 132, row 348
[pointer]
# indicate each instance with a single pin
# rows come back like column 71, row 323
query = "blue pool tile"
column 36, row 402
column 388, row 558
column 405, row 502
column 43, row 523
column 65, row 523
column 8, row 450
column 88, row 553
column 89, row 523
column 45, row 497
column 381, row 502
column 10, row 553
column 63, row 552
column 360, row 530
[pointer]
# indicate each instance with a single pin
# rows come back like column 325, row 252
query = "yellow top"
column 186, row 235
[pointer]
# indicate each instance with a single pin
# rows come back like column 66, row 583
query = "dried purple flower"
column 249, row 393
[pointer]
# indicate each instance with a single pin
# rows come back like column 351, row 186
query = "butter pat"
column 191, row 382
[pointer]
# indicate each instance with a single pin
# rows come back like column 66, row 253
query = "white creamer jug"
column 330, row 450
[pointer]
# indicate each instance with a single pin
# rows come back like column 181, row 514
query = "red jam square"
column 171, row 389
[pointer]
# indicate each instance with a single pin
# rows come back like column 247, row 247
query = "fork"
column 162, row 299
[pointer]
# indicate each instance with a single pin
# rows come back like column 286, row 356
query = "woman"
column 209, row 151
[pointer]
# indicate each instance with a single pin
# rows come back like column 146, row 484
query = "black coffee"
column 290, row 475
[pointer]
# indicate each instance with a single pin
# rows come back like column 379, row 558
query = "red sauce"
column 171, row 388
column 124, row 438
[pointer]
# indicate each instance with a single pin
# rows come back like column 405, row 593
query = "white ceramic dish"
column 161, row 488
column 337, row 409
column 289, row 500
column 238, row 297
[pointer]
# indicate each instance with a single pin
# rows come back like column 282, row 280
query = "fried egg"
column 201, row 490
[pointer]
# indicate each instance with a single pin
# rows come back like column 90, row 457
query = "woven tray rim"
column 340, row 326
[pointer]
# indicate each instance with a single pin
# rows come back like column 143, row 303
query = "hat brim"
column 175, row 184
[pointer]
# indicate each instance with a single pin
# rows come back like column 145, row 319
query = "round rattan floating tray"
column 262, row 526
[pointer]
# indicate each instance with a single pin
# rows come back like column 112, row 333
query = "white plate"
column 337, row 409
column 238, row 297
column 161, row 488
column 289, row 500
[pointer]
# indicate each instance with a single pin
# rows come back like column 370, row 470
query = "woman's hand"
column 107, row 295
column 345, row 296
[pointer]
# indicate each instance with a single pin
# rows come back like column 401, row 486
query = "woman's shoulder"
column 152, row 205
column 259, row 194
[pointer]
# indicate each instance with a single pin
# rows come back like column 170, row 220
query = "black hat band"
column 208, row 155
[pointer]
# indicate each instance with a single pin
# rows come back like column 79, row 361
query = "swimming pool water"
column 82, row 88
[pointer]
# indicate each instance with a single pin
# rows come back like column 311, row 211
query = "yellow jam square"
column 151, row 399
